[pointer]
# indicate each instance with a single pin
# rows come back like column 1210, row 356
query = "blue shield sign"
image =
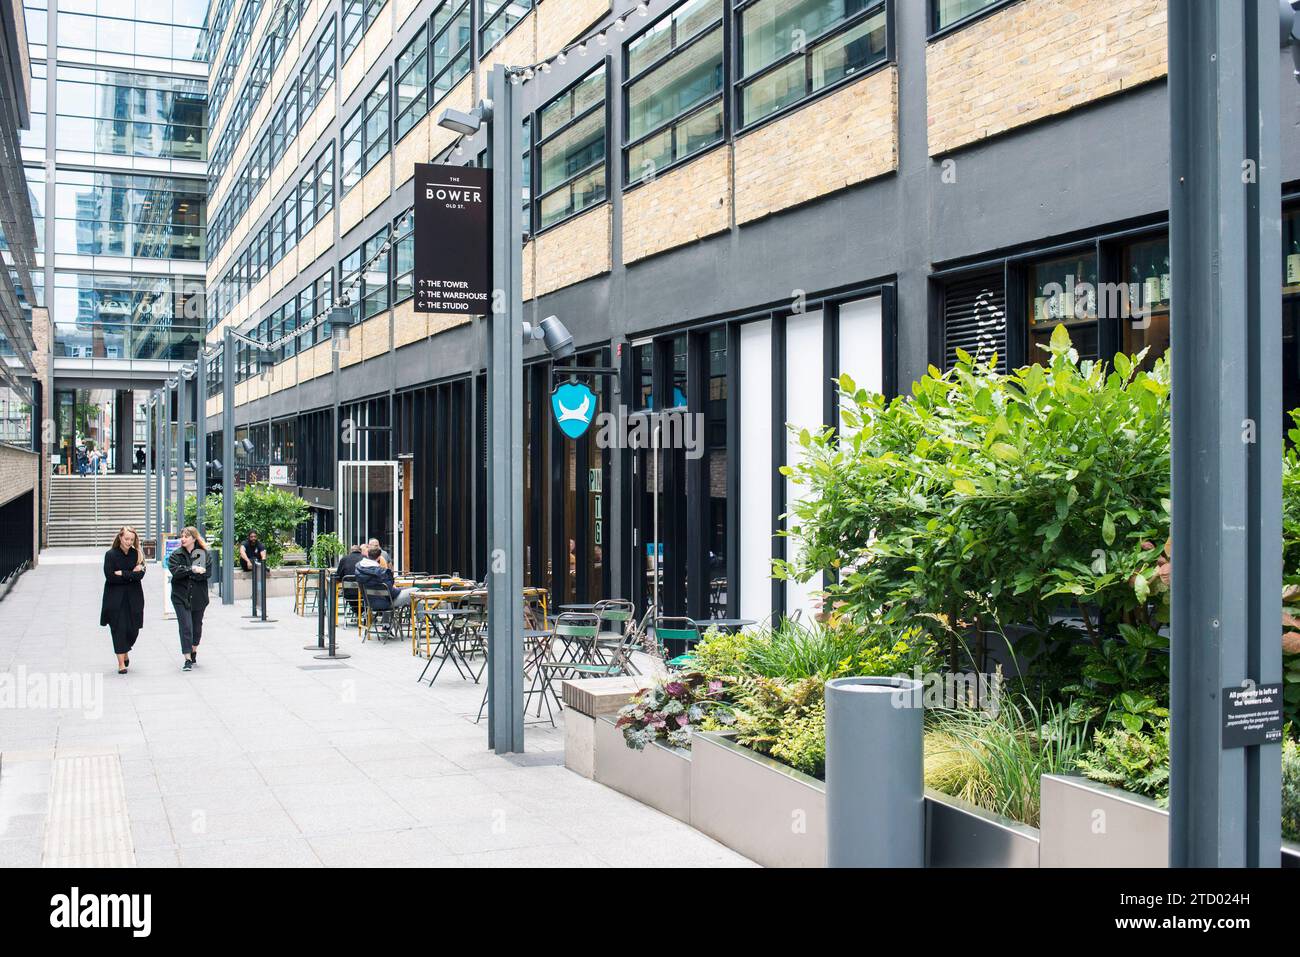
column 574, row 406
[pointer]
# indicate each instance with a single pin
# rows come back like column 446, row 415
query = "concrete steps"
column 88, row 510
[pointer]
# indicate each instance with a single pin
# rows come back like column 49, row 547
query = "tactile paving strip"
column 88, row 824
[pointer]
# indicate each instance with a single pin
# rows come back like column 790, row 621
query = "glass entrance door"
column 369, row 506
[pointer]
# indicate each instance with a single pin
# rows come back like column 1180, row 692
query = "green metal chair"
column 582, row 629
column 615, row 616
column 676, row 636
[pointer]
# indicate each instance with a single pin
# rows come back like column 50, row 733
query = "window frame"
column 484, row 22
column 935, row 32
column 359, row 124
column 537, row 196
column 629, row 79
column 739, row 82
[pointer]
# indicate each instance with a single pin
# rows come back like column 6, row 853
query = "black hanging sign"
column 453, row 239
column 1252, row 715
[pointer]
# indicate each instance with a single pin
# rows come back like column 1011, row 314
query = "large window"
column 131, row 114
column 1062, row 290
column 363, row 277
column 673, row 94
column 358, row 15
column 944, row 13
column 403, row 258
column 115, row 214
column 411, row 84
column 497, row 18
column 571, row 150
column 450, row 43
column 793, row 49
column 365, row 136
column 103, row 315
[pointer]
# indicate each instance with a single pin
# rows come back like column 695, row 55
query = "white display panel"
column 805, row 389
column 755, row 533
column 862, row 340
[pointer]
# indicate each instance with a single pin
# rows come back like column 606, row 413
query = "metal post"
column 505, row 417
column 228, row 544
column 321, row 577
column 200, row 437
column 331, row 614
column 165, row 491
column 150, row 433
column 1224, row 67
column 182, row 427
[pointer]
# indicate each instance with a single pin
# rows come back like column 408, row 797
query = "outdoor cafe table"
column 727, row 624
column 426, row 598
column 301, row 577
column 441, row 622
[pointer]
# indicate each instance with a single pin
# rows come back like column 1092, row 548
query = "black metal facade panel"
column 975, row 318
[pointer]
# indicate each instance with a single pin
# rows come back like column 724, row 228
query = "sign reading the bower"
column 453, row 239
column 1252, row 715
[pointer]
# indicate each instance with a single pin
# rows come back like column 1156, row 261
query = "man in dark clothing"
column 348, row 563
column 371, row 574
column 251, row 550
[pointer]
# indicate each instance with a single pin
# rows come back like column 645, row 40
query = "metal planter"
column 959, row 834
column 771, row 813
column 658, row 776
column 1086, row 824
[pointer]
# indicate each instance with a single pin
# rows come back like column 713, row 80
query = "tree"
column 271, row 512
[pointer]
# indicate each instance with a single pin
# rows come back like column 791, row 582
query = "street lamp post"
column 228, row 468
column 164, row 524
column 148, row 471
column 200, row 437
column 1226, row 371
column 178, row 487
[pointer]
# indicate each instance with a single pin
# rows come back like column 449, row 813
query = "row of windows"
column 305, row 205
column 215, row 29
column 112, row 34
column 224, row 75
column 316, row 77
column 117, row 214
column 365, row 136
column 358, row 15
column 306, row 91
column 374, row 280
column 435, row 60
column 130, row 114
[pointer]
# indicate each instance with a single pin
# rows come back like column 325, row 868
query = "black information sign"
column 1252, row 716
column 453, row 239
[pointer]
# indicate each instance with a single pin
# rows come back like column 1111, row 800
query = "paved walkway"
column 264, row 756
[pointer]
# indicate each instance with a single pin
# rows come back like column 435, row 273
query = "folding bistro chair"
column 350, row 592
column 573, row 628
column 310, row 594
column 380, row 623
column 615, row 617
column 676, row 637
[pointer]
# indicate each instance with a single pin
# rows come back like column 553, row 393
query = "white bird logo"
column 581, row 414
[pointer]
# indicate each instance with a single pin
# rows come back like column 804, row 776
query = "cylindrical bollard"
column 875, row 806
column 261, row 566
column 321, row 577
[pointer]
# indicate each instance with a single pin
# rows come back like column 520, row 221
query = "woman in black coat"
column 190, row 575
column 123, row 607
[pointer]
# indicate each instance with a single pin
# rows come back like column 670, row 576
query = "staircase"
column 88, row 510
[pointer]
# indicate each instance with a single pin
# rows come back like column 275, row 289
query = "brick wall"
column 1036, row 59
column 848, row 137
column 562, row 21
column 681, row 206
column 18, row 475
column 570, row 253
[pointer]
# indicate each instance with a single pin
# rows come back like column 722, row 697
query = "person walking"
column 190, row 575
column 122, row 609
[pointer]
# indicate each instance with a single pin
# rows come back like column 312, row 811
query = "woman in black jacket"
column 190, row 575
column 123, row 606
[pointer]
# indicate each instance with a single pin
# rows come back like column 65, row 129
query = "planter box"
column 585, row 700
column 959, row 834
column 1290, row 854
column 1086, row 824
column 658, row 776
column 770, row 813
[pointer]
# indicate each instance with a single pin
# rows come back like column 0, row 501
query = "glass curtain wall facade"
column 118, row 153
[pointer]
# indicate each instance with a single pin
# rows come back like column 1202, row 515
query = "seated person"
column 251, row 549
column 372, row 575
column 383, row 555
column 348, row 563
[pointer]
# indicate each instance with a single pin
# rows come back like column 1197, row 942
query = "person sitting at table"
column 348, row 563
column 383, row 555
column 372, row 575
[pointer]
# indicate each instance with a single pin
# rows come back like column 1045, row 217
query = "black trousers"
column 123, row 638
column 190, row 624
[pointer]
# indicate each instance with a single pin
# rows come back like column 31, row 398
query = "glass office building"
column 116, row 163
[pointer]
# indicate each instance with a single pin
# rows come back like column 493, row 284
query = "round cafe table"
column 727, row 624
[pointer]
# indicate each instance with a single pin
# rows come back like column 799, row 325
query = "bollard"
column 320, row 613
column 262, row 591
column 252, row 591
column 875, row 810
column 332, row 616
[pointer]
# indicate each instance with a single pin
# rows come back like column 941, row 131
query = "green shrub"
column 1133, row 761
column 996, row 760
column 326, row 550
column 783, row 719
column 271, row 512
column 986, row 499
column 1291, row 790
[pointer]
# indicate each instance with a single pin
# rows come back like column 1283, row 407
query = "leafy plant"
column 794, row 651
column 984, row 499
column 670, row 710
column 326, row 550
column 271, row 512
column 1123, row 679
column 784, row 719
column 1136, row 761
column 1291, row 789
column 996, row 760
